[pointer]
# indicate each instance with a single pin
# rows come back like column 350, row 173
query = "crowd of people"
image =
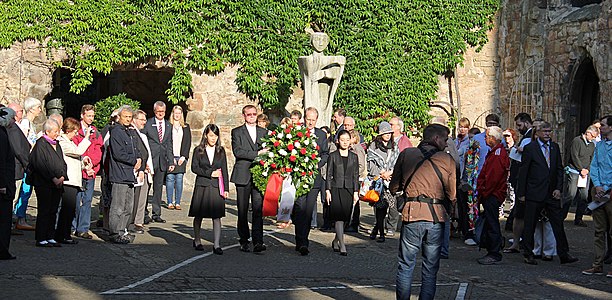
column 421, row 190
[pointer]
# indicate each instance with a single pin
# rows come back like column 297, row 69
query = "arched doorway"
column 584, row 101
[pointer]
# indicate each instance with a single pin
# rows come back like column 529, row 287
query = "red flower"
column 262, row 162
column 273, row 165
column 318, row 148
column 313, row 156
column 292, row 158
column 303, row 151
column 303, row 173
column 300, row 134
column 310, row 173
column 287, row 130
column 273, row 133
column 276, row 144
column 289, row 170
column 290, row 147
column 308, row 133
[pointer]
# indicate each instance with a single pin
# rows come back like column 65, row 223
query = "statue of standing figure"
column 320, row 77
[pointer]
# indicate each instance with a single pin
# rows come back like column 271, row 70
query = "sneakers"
column 488, row 260
column 470, row 242
column 170, row 206
column 595, row 271
column 390, row 233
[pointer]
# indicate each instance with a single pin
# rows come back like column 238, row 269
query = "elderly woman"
column 47, row 172
column 72, row 156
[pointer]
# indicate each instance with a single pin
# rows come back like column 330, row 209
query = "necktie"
column 160, row 133
column 547, row 154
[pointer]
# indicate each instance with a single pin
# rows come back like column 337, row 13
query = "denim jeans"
column 174, row 182
column 445, row 238
column 82, row 218
column 24, row 196
column 415, row 237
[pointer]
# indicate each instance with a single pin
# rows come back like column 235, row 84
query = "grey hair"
column 50, row 124
column 312, row 109
column 593, row 129
column 400, row 123
column 496, row 132
column 31, row 103
column 159, row 104
column 6, row 119
column 125, row 108
column 349, row 118
column 57, row 117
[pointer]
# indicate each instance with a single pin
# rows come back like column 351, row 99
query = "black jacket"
column 123, row 154
column 21, row 147
column 7, row 165
column 200, row 165
column 337, row 177
column 245, row 152
column 185, row 147
column 161, row 152
column 45, row 164
column 536, row 181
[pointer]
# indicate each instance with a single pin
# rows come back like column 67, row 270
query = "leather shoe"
column 158, row 219
column 24, row 226
column 538, row 256
column 218, row 251
column 9, row 257
column 245, row 248
column 147, row 220
column 304, row 251
column 547, row 258
column 69, row 242
column 84, row 235
column 568, row 259
column 259, row 248
column 530, row 260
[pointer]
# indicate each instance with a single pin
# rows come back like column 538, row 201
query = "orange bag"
column 371, row 196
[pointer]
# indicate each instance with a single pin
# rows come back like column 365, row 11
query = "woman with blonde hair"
column 181, row 144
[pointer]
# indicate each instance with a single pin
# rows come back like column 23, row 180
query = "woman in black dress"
column 211, row 189
column 342, row 187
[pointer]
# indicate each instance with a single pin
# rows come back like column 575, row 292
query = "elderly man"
column 601, row 174
column 401, row 139
column 426, row 176
column 348, row 125
column 492, row 188
column 539, row 185
column 21, row 147
column 7, row 182
column 581, row 154
column 125, row 160
column 144, row 178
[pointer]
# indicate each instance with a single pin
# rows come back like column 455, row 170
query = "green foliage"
column 394, row 49
column 105, row 107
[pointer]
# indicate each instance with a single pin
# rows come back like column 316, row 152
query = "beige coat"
column 73, row 159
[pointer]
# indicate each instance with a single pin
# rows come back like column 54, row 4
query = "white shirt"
column 252, row 132
column 210, row 152
column 177, row 140
column 163, row 126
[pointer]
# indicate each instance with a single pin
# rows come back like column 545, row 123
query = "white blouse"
column 210, row 152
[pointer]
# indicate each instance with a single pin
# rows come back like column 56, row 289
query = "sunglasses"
column 506, row 135
column 251, row 114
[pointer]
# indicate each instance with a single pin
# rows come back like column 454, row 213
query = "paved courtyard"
column 162, row 264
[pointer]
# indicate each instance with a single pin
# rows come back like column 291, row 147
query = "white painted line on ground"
column 461, row 291
column 172, row 269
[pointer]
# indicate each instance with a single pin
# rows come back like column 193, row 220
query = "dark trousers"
column 492, row 231
column 6, row 205
column 356, row 213
column 67, row 212
column 327, row 224
column 244, row 193
column 462, row 208
column 554, row 214
column 380, row 214
column 302, row 216
column 159, row 178
column 48, row 203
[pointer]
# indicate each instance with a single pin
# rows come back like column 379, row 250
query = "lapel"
column 207, row 162
column 540, row 154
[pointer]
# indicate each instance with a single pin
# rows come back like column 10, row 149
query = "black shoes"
column 381, row 239
column 343, row 253
column 580, row 223
column 303, row 250
column 259, row 248
column 530, row 260
column 218, row 251
column 567, row 259
column 373, row 235
column 334, row 248
column 158, row 219
column 69, row 242
column 147, row 220
column 8, row 257
column 547, row 258
column 245, row 248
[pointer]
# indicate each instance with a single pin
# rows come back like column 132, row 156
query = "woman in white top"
column 74, row 162
column 181, row 144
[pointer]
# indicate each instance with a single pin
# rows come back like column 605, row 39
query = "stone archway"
column 584, row 100
column 145, row 86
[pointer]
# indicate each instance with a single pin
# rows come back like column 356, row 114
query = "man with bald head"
column 18, row 111
column 348, row 125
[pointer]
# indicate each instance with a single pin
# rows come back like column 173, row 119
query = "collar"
column 542, row 143
column 585, row 140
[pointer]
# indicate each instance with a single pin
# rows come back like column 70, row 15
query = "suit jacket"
column 245, row 152
column 319, row 182
column 536, row 181
column 201, row 166
column 337, row 177
column 161, row 151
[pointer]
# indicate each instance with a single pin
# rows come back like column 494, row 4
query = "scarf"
column 50, row 140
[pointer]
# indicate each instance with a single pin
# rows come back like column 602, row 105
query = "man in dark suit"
column 159, row 132
column 7, row 183
column 539, row 185
column 303, row 207
column 246, row 145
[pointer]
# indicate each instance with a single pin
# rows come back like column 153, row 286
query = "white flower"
column 293, row 152
column 280, row 135
column 298, row 145
column 306, row 142
column 271, row 154
column 264, row 174
column 306, row 159
column 263, row 145
column 282, row 152
column 283, row 126
column 296, row 169
column 305, row 186
column 288, row 136
column 298, row 127
column 314, row 143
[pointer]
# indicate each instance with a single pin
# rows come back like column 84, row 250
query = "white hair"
column 496, row 132
column 57, row 117
column 50, row 124
column 159, row 104
column 31, row 103
column 125, row 108
column 400, row 123
column 349, row 118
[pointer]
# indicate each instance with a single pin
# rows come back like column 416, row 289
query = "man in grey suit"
column 159, row 132
column 246, row 146
column 304, row 205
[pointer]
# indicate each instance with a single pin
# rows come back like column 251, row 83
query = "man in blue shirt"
column 601, row 175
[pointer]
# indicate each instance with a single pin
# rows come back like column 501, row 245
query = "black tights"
column 380, row 214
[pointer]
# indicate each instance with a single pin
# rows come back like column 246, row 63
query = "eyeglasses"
column 506, row 135
column 251, row 114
